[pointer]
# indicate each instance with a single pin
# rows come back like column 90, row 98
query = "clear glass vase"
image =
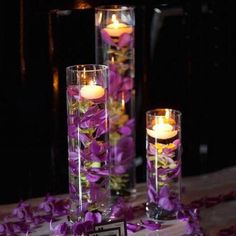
column 115, row 28
column 88, row 142
column 163, row 153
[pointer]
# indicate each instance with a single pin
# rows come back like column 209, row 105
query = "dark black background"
column 185, row 59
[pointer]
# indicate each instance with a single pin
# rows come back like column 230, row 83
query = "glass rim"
column 156, row 110
column 114, row 7
column 80, row 67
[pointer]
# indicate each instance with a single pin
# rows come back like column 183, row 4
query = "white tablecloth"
column 213, row 219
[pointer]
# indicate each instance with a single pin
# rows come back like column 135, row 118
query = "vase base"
column 157, row 213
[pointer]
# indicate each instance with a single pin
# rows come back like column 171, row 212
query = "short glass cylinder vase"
column 163, row 156
column 88, row 142
column 115, row 28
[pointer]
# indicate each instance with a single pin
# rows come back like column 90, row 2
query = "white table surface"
column 213, row 219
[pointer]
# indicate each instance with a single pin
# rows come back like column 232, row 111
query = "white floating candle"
column 92, row 91
column 116, row 29
column 162, row 131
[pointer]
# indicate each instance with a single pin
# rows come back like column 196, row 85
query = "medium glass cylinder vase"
column 163, row 153
column 88, row 123
column 115, row 28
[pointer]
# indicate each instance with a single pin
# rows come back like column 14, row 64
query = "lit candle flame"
column 115, row 21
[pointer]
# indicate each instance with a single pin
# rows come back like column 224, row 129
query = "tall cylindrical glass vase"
column 115, row 28
column 88, row 156
column 163, row 153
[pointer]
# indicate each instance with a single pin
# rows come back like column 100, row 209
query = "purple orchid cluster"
column 119, row 56
column 163, row 178
column 89, row 166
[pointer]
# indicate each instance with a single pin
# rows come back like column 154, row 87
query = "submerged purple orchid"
column 164, row 170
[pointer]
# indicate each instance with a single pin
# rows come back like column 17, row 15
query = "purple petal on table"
column 189, row 229
column 2, row 229
column 92, row 177
column 165, row 203
column 117, row 211
column 78, row 228
column 88, row 226
column 124, row 40
column 121, row 209
column 106, row 37
column 93, row 217
column 125, row 130
column 151, row 225
column 23, row 211
column 133, row 227
column 60, row 229
column 164, row 191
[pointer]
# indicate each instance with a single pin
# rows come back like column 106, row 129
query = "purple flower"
column 151, row 193
column 23, row 211
column 106, row 37
column 73, row 162
column 166, row 203
column 127, row 84
column 93, row 217
column 72, row 131
column 78, row 228
column 72, row 90
column 60, row 229
column 134, row 227
column 98, row 195
column 125, row 40
column 54, row 206
column 151, row 225
column 125, row 146
column 121, row 169
column 92, row 177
